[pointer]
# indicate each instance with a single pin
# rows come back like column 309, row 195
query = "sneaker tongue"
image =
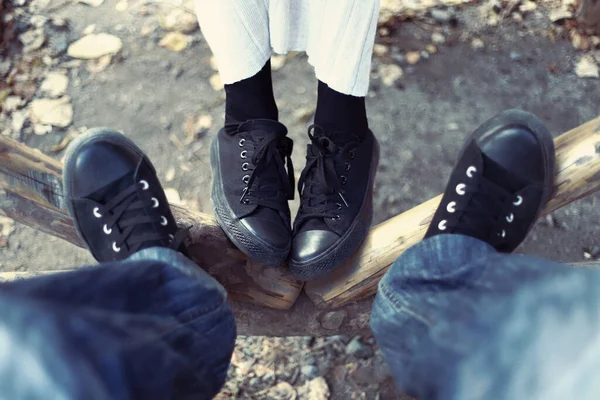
column 502, row 176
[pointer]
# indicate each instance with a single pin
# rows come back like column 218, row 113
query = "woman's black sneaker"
column 336, row 201
column 501, row 183
column 114, row 197
column 253, row 179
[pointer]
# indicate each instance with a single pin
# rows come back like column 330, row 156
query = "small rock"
column 277, row 62
column 58, row 44
column 180, row 21
column 389, row 74
column 216, row 83
column 425, row 55
column 413, row 57
column 315, row 389
column 253, row 382
column 55, row 84
column 174, row 41
column 213, row 63
column 550, row 220
column 5, row 67
column 172, row 196
column 587, row 68
column 38, row 21
column 99, row 64
column 55, row 112
column 477, row 44
column 333, row 319
column 41, row 130
column 438, row 38
column 516, row 56
column 94, row 46
column 587, row 255
column 93, row 3
column 11, row 103
column 580, row 42
column 594, row 41
column 452, row 126
column 398, row 57
column 518, row 18
column 18, row 119
column 527, row 6
column 170, row 175
column 89, row 29
column 380, row 49
column 441, row 16
column 176, row 71
column 122, row 6
column 309, row 371
column 32, row 40
column 358, row 350
column 431, row 49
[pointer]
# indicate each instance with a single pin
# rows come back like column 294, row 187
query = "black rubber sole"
column 90, row 136
column 337, row 254
column 520, row 118
column 242, row 238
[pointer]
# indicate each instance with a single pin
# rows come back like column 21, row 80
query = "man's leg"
column 153, row 326
column 457, row 320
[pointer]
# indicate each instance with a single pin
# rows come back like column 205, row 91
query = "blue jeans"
column 153, row 327
column 456, row 320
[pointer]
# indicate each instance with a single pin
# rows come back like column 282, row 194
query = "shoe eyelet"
column 243, row 154
column 460, row 189
column 163, row 220
column 115, row 248
column 336, row 218
column 338, row 205
column 246, row 201
column 348, row 166
column 106, row 230
column 442, row 225
column 519, row 201
column 154, row 202
column 245, row 166
column 352, row 154
column 502, row 234
column 144, row 184
column 343, row 179
column 97, row 212
column 246, row 178
column 470, row 171
column 451, row 207
column 510, row 218
column 241, row 143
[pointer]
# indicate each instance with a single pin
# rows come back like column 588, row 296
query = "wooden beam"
column 31, row 193
column 578, row 175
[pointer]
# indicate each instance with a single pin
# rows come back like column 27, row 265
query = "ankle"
column 340, row 112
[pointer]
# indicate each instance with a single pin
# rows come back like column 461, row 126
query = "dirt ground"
column 421, row 123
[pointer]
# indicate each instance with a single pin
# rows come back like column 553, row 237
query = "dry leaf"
column 64, row 142
column 89, row 29
column 170, row 175
column 174, row 41
column 173, row 196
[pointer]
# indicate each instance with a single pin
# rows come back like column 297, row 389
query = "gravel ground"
column 421, row 119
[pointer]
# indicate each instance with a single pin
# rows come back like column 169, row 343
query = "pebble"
column 55, row 112
column 18, row 119
column 41, row 130
column 11, row 103
column 438, row 38
column 516, row 56
column 441, row 16
column 309, row 371
column 389, row 74
column 431, row 49
column 358, row 350
column 216, row 83
column 94, row 46
column 425, row 55
column 180, row 21
column 315, row 389
column 58, row 44
column 587, row 68
column 32, row 40
column 477, row 44
column 413, row 57
column 5, row 67
column 55, row 84
column 380, row 49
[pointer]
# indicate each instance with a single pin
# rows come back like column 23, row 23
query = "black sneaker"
column 336, row 203
column 251, row 188
column 501, row 183
column 114, row 197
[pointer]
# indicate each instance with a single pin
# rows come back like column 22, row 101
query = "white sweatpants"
column 337, row 35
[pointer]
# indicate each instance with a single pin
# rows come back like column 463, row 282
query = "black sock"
column 251, row 98
column 340, row 112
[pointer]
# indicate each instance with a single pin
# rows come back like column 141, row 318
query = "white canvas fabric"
column 337, row 35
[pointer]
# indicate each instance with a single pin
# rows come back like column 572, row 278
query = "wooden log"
column 31, row 193
column 578, row 174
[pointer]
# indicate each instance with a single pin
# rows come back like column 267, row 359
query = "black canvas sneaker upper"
column 253, row 180
column 500, row 183
column 115, row 198
column 335, row 200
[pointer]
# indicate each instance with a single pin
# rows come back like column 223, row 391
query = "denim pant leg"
column 456, row 320
column 155, row 326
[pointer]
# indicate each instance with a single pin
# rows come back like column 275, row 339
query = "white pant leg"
column 237, row 32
